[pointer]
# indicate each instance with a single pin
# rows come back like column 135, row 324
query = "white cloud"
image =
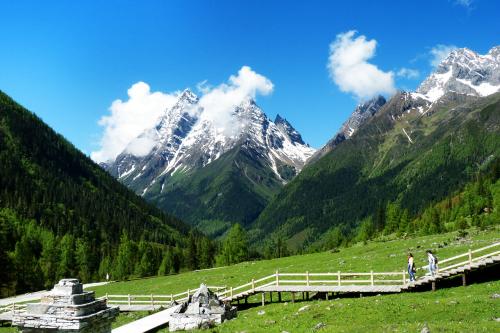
column 218, row 103
column 350, row 70
column 439, row 52
column 140, row 112
column 408, row 73
column 129, row 118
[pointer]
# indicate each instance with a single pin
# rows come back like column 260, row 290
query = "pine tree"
column 105, row 267
column 7, row 276
column 235, row 248
column 83, row 260
column 66, row 268
column 176, row 259
column 192, row 252
column 145, row 266
column 125, row 260
column 392, row 218
column 206, row 252
column 366, row 230
column 167, row 263
column 49, row 259
column 28, row 273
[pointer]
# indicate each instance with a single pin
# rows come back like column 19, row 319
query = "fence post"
column 470, row 258
column 253, row 285
column 188, row 292
column 171, row 298
column 106, row 298
column 152, row 302
column 277, row 279
column 128, row 299
column 307, row 278
column 404, row 277
column 371, row 278
column 231, row 291
column 338, row 276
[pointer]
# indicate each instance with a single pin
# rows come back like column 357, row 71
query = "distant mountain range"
column 213, row 177
column 210, row 175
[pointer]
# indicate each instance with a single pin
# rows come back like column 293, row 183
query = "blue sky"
column 69, row 60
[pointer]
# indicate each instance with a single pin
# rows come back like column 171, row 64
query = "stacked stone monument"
column 67, row 308
column 202, row 310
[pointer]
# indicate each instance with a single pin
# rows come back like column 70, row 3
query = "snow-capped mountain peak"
column 187, row 138
column 464, row 72
column 363, row 112
column 288, row 129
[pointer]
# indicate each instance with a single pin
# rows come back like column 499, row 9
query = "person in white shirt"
column 432, row 262
column 411, row 267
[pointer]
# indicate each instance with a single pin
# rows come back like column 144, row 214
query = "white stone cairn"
column 66, row 309
column 202, row 310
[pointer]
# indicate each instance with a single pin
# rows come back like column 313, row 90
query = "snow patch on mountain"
column 463, row 72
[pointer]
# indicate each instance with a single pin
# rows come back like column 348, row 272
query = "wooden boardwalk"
column 363, row 283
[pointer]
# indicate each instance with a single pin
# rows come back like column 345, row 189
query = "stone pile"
column 202, row 310
column 66, row 308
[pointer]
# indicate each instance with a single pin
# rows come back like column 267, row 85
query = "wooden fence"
column 153, row 300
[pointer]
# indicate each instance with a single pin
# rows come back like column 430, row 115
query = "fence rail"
column 470, row 256
column 154, row 300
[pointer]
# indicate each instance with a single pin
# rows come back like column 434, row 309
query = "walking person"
column 411, row 267
column 431, row 258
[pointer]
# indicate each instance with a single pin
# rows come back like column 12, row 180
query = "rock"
column 67, row 307
column 495, row 296
column 328, row 308
column 261, row 312
column 319, row 326
column 304, row 308
column 270, row 322
column 496, row 319
column 202, row 310
column 285, row 332
column 425, row 329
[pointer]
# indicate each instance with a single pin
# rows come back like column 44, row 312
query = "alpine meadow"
column 263, row 166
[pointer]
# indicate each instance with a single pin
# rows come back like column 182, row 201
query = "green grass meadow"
column 458, row 309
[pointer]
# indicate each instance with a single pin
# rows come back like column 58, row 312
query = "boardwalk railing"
column 469, row 257
column 353, row 279
column 316, row 279
column 7, row 311
column 154, row 300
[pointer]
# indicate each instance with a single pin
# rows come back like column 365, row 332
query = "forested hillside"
column 381, row 167
column 61, row 215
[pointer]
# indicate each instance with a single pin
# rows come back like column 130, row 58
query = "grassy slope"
column 403, row 312
column 462, row 309
column 377, row 255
